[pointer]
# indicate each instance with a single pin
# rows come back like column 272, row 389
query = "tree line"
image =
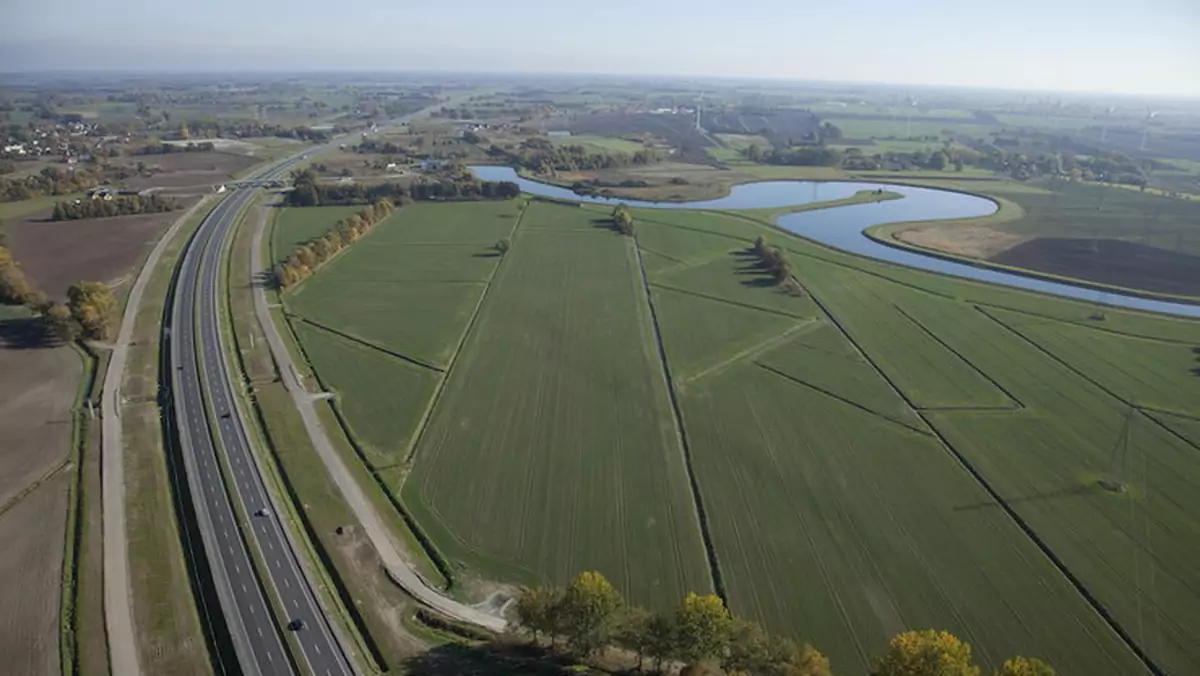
column 776, row 262
column 172, row 148
column 307, row 257
column 543, row 157
column 89, row 309
column 371, row 145
column 307, row 192
column 589, row 615
column 49, row 181
column 216, row 128
column 622, row 220
column 117, row 206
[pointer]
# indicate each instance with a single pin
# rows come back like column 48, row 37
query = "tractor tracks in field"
column 1099, row 608
column 423, row 423
column 1146, row 411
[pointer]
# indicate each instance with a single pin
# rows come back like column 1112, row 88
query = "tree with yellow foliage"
column 92, row 305
column 926, row 653
column 703, row 628
column 1024, row 666
column 589, row 612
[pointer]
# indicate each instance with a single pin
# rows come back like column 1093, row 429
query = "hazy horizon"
column 1026, row 45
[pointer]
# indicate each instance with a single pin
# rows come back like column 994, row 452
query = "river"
column 842, row 227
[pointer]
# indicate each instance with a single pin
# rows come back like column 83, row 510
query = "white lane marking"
column 269, row 658
column 287, row 583
column 259, row 629
column 270, row 546
column 237, row 568
column 295, row 604
column 244, row 590
column 317, row 647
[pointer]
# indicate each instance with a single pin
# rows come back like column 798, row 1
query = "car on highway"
column 297, row 624
column 263, row 512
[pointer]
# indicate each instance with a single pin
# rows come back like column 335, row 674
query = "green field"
column 294, row 227
column 600, row 144
column 553, row 448
column 893, row 450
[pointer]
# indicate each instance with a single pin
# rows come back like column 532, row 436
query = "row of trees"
column 89, row 309
column 542, row 156
column 623, row 220
column 307, row 257
column 118, row 206
column 49, row 181
column 773, row 260
column 249, row 128
column 372, row 145
column 307, row 192
column 172, row 148
column 589, row 615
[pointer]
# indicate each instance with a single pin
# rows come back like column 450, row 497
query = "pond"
column 842, row 227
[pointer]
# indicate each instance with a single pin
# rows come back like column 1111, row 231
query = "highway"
column 222, row 468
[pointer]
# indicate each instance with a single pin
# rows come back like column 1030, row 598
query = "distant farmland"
column 892, row 450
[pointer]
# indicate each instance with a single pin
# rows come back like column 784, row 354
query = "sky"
column 1148, row 47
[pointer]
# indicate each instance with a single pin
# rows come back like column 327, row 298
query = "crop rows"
column 553, row 447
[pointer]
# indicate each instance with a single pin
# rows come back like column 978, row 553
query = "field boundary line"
column 33, row 485
column 718, row 299
column 710, row 550
column 1019, row 405
column 423, row 423
column 656, row 252
column 1016, row 518
column 1083, row 325
column 1166, row 428
column 381, row 537
column 684, row 266
column 1132, row 405
column 699, row 230
column 360, row 341
column 840, row 398
column 755, row 350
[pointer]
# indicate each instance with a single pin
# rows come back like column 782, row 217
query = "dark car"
column 297, row 624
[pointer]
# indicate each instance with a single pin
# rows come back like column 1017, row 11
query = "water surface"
column 842, row 227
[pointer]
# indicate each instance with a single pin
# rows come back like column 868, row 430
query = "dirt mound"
column 1109, row 261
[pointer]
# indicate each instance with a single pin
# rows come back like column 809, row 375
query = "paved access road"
column 221, row 469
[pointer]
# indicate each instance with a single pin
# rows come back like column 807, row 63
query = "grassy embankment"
column 169, row 632
column 372, row 610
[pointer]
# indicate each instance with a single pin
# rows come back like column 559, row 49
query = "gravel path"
column 397, row 567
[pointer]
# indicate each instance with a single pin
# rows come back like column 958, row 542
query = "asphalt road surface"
column 221, row 469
